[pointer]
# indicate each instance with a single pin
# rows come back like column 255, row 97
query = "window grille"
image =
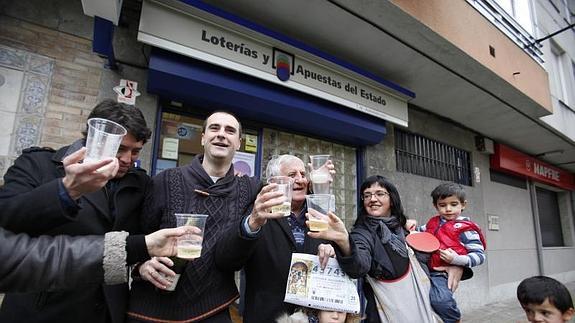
column 418, row 155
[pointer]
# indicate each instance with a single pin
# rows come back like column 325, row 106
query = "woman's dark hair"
column 128, row 116
column 394, row 199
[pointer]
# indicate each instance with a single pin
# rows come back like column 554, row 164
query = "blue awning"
column 180, row 78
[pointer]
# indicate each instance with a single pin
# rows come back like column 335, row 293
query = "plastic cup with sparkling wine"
column 318, row 205
column 103, row 139
column 284, row 185
column 189, row 246
column 319, row 176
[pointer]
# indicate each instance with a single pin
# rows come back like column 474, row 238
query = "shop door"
column 549, row 218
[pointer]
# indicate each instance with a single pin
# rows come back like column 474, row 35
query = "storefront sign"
column 188, row 131
column 170, row 148
column 244, row 163
column 193, row 34
column 251, row 143
column 127, row 91
column 509, row 160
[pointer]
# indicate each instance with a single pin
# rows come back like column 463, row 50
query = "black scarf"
column 390, row 257
column 389, row 231
column 221, row 188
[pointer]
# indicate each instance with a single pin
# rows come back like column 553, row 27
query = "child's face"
column 546, row 313
column 331, row 317
column 450, row 207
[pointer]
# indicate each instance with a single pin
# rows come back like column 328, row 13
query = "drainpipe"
column 538, row 239
column 102, row 42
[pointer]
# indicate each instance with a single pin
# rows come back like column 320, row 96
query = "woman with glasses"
column 395, row 284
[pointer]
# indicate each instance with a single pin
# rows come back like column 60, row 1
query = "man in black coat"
column 53, row 201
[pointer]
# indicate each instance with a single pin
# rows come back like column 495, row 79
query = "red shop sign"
column 512, row 161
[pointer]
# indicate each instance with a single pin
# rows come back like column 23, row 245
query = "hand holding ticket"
column 328, row 289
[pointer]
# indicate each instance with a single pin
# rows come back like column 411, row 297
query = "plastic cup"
column 189, row 246
column 317, row 161
column 284, row 184
column 103, row 139
column 318, row 205
column 319, row 176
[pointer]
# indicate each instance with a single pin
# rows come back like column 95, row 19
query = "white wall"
column 549, row 21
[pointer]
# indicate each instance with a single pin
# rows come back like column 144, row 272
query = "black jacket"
column 370, row 258
column 266, row 261
column 31, row 187
column 32, row 264
column 61, row 262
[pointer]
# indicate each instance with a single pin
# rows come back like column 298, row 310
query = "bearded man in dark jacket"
column 53, row 202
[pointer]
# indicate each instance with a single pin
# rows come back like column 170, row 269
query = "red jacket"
column 448, row 236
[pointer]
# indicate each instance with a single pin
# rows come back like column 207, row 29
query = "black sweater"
column 203, row 290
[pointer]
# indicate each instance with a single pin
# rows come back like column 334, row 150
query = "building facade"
column 420, row 92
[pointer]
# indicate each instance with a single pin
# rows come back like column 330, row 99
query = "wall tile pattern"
column 33, row 96
column 59, row 87
column 344, row 185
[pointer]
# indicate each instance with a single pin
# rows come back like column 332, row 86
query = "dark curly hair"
column 128, row 116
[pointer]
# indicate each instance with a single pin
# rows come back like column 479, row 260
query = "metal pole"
column 550, row 35
column 537, row 228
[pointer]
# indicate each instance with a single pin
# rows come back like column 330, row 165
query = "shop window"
column 344, row 186
column 422, row 156
column 549, row 218
column 180, row 141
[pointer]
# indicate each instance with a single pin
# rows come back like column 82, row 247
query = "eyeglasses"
column 379, row 195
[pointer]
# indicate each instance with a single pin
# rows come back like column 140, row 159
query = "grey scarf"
column 390, row 232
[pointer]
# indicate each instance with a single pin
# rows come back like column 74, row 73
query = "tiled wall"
column 344, row 185
column 49, row 82
column 24, row 84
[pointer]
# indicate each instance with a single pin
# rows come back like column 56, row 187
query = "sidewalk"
column 502, row 312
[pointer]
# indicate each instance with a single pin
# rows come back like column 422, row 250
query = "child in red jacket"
column 461, row 244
